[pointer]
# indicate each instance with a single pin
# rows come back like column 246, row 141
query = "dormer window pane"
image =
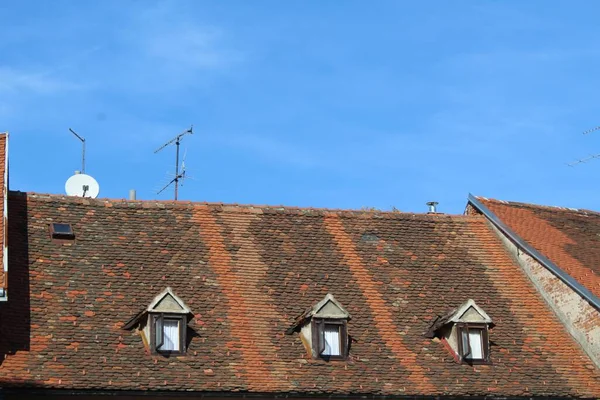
column 476, row 344
column 331, row 339
column 170, row 335
column 472, row 341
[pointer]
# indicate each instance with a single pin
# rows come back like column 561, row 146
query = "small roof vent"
column 432, row 207
column 61, row 231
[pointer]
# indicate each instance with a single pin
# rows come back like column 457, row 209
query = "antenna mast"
column 82, row 150
column 178, row 176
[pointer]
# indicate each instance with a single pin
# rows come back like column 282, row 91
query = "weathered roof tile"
column 569, row 237
column 246, row 276
column 3, row 200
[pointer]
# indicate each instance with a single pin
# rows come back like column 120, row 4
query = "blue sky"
column 316, row 103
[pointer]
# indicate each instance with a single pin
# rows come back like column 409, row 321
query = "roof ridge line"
column 533, row 205
column 236, row 207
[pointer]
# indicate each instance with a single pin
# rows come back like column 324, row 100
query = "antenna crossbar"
column 583, row 160
column 176, row 139
column 592, row 130
column 178, row 176
column 166, row 186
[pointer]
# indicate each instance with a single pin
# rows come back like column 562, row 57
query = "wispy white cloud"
column 188, row 47
column 47, row 79
column 164, row 46
column 23, row 85
column 13, row 80
column 271, row 150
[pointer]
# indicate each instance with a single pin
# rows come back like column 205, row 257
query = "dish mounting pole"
column 82, row 150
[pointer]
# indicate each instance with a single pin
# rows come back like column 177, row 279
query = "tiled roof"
column 3, row 184
column 568, row 237
column 247, row 273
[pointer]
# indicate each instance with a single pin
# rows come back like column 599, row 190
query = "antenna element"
column 82, row 150
column 178, row 176
column 583, row 160
column 591, row 130
column 591, row 157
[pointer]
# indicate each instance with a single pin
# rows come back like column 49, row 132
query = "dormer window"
column 474, row 342
column 163, row 324
column 169, row 333
column 465, row 329
column 330, row 338
column 324, row 329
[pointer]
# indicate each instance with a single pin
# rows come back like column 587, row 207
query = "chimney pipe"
column 432, row 205
column 132, row 194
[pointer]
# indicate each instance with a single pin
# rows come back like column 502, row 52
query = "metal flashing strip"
column 555, row 269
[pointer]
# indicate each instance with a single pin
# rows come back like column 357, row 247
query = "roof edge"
column 242, row 394
column 236, row 207
column 4, row 233
column 555, row 269
column 584, row 211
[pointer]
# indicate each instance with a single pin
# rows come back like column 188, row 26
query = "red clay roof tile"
column 570, row 238
column 3, row 194
column 247, row 272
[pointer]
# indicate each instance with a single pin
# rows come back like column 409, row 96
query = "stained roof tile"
column 247, row 272
column 3, row 194
column 569, row 237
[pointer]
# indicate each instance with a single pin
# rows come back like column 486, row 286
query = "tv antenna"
column 590, row 157
column 82, row 150
column 178, row 175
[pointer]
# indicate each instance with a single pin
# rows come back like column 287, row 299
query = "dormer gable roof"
column 167, row 301
column 329, row 307
column 468, row 312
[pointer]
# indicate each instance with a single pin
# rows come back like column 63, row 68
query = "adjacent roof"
column 568, row 237
column 246, row 272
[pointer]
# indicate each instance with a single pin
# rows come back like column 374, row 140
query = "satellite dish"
column 82, row 185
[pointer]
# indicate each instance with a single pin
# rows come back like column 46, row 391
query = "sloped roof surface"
column 247, row 273
column 570, row 238
column 3, row 138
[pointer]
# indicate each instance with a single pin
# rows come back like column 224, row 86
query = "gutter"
column 555, row 269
